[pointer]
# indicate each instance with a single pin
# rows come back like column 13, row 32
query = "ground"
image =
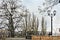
column 17, row 39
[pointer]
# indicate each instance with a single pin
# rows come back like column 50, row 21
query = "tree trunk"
column 12, row 33
column 11, row 27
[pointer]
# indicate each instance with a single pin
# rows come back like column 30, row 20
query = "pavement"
column 17, row 39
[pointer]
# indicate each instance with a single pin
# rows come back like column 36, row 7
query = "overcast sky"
column 32, row 5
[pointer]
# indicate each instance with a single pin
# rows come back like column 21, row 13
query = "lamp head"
column 54, row 12
column 48, row 12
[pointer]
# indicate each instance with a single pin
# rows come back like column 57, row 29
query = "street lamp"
column 51, row 15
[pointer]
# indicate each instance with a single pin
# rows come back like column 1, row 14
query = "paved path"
column 16, row 39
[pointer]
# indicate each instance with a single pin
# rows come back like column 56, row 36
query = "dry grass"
column 45, row 37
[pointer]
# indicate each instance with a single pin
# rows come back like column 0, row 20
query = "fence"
column 3, row 34
column 45, row 37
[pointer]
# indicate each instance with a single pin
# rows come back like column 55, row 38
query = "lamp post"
column 51, row 15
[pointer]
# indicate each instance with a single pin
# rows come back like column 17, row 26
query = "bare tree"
column 43, row 31
column 9, row 12
column 33, row 23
